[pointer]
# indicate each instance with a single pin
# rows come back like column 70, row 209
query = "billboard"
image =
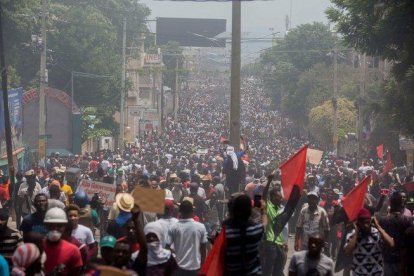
column 16, row 115
column 191, row 32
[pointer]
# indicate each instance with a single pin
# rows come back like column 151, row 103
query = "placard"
column 149, row 200
column 314, row 156
column 105, row 191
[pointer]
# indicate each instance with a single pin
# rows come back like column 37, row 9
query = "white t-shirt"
column 166, row 225
column 83, row 234
column 186, row 236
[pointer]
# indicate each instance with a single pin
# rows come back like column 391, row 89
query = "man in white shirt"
column 190, row 240
column 80, row 232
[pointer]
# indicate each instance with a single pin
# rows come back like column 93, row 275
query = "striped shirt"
column 9, row 240
column 242, row 250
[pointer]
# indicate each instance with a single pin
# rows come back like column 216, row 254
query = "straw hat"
column 124, row 201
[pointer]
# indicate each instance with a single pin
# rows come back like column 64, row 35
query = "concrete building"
column 143, row 102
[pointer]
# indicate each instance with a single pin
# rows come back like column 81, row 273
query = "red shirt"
column 62, row 253
column 4, row 192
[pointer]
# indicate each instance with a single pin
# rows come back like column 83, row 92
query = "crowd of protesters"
column 210, row 188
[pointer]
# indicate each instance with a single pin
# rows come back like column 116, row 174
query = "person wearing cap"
column 54, row 194
column 54, row 182
column 27, row 192
column 63, row 257
column 190, row 241
column 313, row 219
column 117, row 227
column 9, row 239
column 166, row 221
column 107, row 246
column 27, row 260
column 365, row 243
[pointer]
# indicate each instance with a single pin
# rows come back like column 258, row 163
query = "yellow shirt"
column 68, row 192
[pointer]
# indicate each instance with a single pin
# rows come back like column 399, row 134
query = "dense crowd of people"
column 211, row 188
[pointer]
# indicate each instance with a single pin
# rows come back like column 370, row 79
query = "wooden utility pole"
column 361, row 103
column 43, row 84
column 123, row 92
column 7, row 126
column 176, row 89
column 335, row 102
column 235, row 76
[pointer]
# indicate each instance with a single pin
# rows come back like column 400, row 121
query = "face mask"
column 54, row 235
column 154, row 246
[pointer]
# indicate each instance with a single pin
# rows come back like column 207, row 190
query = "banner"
column 105, row 191
column 149, row 200
column 16, row 116
column 314, row 156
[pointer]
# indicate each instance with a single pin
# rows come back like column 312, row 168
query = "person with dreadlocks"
column 234, row 169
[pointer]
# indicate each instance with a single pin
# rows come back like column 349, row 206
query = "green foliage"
column 172, row 54
column 302, row 48
column 321, row 120
column 375, row 27
column 83, row 36
column 94, row 124
column 383, row 28
column 12, row 78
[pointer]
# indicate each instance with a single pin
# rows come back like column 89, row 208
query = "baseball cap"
column 108, row 241
column 312, row 193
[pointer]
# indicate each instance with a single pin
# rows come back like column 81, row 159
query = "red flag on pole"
column 388, row 165
column 380, row 151
column 214, row 263
column 293, row 172
column 354, row 200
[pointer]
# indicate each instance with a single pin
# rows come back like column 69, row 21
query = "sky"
column 259, row 18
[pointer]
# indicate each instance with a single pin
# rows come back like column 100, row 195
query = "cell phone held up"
column 257, row 201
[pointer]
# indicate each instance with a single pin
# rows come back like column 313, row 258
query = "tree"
column 321, row 120
column 302, row 48
column 315, row 86
column 172, row 54
column 381, row 28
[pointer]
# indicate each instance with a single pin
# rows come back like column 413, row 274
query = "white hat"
column 55, row 215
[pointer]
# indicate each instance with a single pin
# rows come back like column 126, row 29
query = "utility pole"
column 7, row 126
column 123, row 92
column 43, row 84
column 176, row 90
column 361, row 108
column 72, row 90
column 235, row 75
column 335, row 102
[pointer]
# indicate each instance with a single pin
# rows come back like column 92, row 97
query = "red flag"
column 380, row 151
column 388, row 165
column 293, row 172
column 354, row 200
column 214, row 263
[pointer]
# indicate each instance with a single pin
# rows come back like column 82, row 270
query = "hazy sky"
column 257, row 16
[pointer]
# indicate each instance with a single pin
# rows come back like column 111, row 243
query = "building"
column 143, row 102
